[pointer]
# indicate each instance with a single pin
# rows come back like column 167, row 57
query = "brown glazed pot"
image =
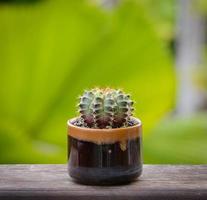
column 104, row 156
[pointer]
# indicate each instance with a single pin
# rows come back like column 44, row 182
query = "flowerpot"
column 104, row 156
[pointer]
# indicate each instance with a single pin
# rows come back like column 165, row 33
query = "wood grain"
column 52, row 182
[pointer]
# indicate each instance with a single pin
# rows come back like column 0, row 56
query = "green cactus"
column 105, row 108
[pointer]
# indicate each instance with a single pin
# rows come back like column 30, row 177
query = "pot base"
column 105, row 176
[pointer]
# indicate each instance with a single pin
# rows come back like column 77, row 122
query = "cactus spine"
column 105, row 108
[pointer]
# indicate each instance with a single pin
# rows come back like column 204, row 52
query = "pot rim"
column 139, row 124
column 104, row 136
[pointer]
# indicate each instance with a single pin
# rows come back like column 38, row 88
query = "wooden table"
column 53, row 182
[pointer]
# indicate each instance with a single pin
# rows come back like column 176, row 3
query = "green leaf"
column 178, row 140
column 50, row 52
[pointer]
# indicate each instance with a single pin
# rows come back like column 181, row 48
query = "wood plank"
column 53, row 182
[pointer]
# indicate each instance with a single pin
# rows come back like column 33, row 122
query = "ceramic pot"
column 104, row 156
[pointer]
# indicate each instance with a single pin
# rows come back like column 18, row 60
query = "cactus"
column 105, row 108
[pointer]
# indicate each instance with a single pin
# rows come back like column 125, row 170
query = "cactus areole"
column 104, row 141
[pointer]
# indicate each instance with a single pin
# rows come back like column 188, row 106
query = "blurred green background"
column 51, row 50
